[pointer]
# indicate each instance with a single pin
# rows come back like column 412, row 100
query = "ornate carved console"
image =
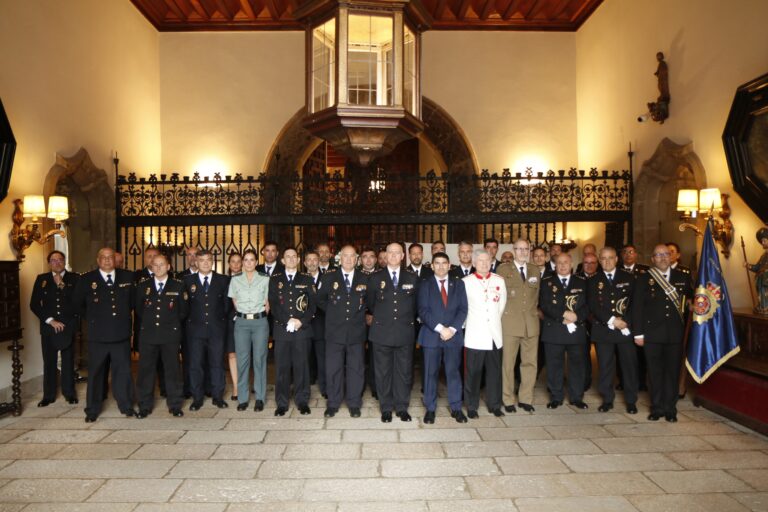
column 10, row 329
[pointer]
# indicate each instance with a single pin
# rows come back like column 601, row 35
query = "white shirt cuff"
column 49, row 320
column 439, row 328
column 610, row 322
column 571, row 327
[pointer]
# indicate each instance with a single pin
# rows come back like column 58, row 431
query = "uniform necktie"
column 322, row 270
column 269, row 271
column 522, row 273
column 565, row 282
column 443, row 293
column 160, row 288
column 466, row 272
column 109, row 280
column 205, row 284
column 394, row 279
column 290, row 278
column 346, row 282
column 610, row 278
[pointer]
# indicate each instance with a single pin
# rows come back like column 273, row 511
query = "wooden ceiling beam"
column 273, row 9
column 225, row 10
column 511, row 9
column 200, row 10
column 439, row 9
column 557, row 9
column 461, row 13
column 248, row 9
column 487, row 8
column 536, row 8
column 171, row 4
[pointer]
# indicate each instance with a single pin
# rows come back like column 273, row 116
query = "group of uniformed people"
column 474, row 319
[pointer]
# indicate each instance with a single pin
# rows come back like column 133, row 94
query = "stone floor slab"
column 144, row 436
column 29, row 451
column 396, row 506
column 421, row 468
column 78, row 507
column 385, row 489
column 736, row 442
column 752, row 500
column 438, row 435
column 61, row 436
column 558, row 447
column 688, row 428
column 175, row 451
column 223, row 437
column 273, row 424
column 303, row 436
column 347, row 451
column 698, row 481
column 42, row 490
column 185, row 423
column 619, row 462
column 608, row 484
column 575, row 504
column 516, row 486
column 652, row 444
column 87, row 469
column 96, row 451
column 281, row 507
column 371, row 424
column 565, row 419
column 181, row 507
column 249, row 452
column 721, row 459
column 319, row 469
column 124, row 490
column 705, row 502
column 531, row 465
column 402, row 451
column 52, row 424
column 7, row 435
column 234, row 491
column 513, row 433
column 757, row 478
column 476, row 505
column 577, row 432
column 233, row 469
column 370, row 436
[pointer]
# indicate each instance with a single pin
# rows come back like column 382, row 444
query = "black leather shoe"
column 654, row 417
column 280, row 411
column 526, row 407
column 404, row 416
column 472, row 415
column 90, row 418
column 458, row 416
column 497, row 412
column 510, row 408
column 259, row 406
column 429, row 417
column 242, row 407
column 176, row 412
column 607, row 406
column 221, row 404
column 196, row 405
column 631, row 409
column 72, row 400
column 45, row 403
column 130, row 413
column 672, row 418
column 330, row 412
column 386, row 417
column 354, row 412
column 554, row 404
column 579, row 404
column 143, row 413
column 304, row 409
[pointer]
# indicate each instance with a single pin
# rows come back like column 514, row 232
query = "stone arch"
column 91, row 224
column 655, row 219
column 442, row 133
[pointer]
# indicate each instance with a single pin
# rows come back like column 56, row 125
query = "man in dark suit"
column 292, row 303
column 555, row 250
column 629, row 263
column 609, row 296
column 417, row 265
column 342, row 295
column 465, row 267
column 161, row 307
column 368, row 262
column 190, row 254
column 317, row 371
column 146, row 271
column 563, row 300
column 589, row 268
column 270, row 265
column 323, row 251
column 442, row 304
column 140, row 275
column 105, row 299
column 659, row 306
column 492, row 246
column 392, row 301
column 52, row 303
column 206, row 329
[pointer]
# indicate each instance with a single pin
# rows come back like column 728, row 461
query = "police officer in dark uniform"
column 368, row 265
column 292, row 303
column 659, row 307
column 106, row 298
column 630, row 264
column 146, row 272
column 206, row 329
column 391, row 299
column 416, row 262
column 563, row 300
column 317, row 371
column 342, row 295
column 610, row 301
column 52, row 303
column 161, row 307
column 465, row 267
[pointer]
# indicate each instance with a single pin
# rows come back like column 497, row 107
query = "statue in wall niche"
column 761, row 273
column 659, row 109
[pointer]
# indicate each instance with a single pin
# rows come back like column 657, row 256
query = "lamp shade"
column 687, row 200
column 34, row 207
column 58, row 208
column 710, row 198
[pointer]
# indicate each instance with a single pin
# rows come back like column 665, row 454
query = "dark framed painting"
column 7, row 152
column 746, row 144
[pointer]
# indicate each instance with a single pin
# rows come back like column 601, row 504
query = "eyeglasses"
column 661, row 254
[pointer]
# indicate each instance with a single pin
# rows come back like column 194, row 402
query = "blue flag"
column 713, row 336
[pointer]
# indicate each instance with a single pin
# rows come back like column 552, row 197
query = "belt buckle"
column 250, row 316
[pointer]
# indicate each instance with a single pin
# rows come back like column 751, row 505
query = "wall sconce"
column 33, row 208
column 566, row 244
column 659, row 110
column 707, row 201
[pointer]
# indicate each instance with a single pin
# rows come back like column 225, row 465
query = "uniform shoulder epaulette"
column 175, row 280
column 276, row 274
column 547, row 277
column 580, row 277
column 331, row 269
column 410, row 270
column 145, row 278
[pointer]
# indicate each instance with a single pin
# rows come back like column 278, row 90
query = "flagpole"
column 749, row 281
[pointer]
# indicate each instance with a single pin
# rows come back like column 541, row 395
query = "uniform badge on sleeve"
column 280, row 285
column 335, row 285
column 383, row 284
column 94, row 285
column 193, row 288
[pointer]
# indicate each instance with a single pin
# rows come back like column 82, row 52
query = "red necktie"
column 443, row 293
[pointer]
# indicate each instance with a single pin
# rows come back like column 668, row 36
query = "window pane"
column 323, row 63
column 370, row 66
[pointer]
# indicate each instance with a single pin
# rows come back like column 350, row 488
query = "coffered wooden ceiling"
column 223, row 15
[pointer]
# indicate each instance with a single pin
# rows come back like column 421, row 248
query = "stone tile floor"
column 214, row 460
